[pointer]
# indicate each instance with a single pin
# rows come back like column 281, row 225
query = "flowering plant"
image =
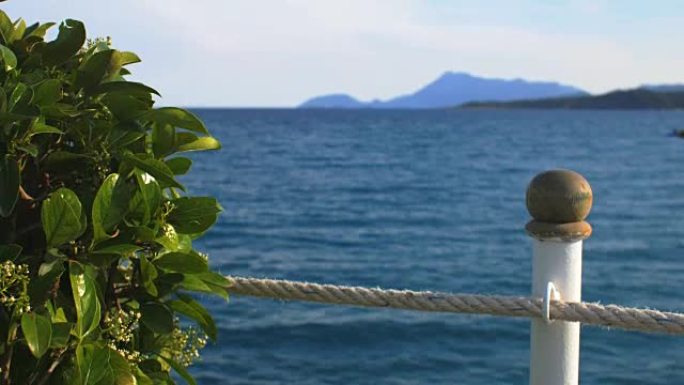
column 97, row 264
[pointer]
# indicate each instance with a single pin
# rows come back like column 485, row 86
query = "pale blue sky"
column 280, row 52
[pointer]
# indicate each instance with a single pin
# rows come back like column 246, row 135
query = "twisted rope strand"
column 645, row 320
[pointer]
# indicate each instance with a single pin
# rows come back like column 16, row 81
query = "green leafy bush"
column 96, row 256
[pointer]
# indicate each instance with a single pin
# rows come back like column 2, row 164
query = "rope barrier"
column 614, row 316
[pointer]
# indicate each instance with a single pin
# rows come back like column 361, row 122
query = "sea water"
column 433, row 200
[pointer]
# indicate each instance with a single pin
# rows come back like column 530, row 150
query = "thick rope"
column 614, row 316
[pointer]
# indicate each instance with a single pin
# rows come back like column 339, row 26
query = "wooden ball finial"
column 559, row 201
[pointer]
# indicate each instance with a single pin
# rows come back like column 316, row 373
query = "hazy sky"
column 280, row 52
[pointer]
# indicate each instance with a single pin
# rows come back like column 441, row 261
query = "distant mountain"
column 663, row 87
column 333, row 101
column 453, row 89
column 639, row 98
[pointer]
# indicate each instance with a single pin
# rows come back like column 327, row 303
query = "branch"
column 52, row 368
column 6, row 365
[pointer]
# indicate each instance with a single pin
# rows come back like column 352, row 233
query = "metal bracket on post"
column 551, row 294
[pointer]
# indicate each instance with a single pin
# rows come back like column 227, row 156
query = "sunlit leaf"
column 109, row 207
column 9, row 60
column 61, row 217
column 176, row 117
column 158, row 169
column 37, row 331
column 100, row 365
column 86, row 300
column 201, row 144
column 42, row 128
column 40, row 30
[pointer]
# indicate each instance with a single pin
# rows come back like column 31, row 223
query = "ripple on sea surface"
column 432, row 200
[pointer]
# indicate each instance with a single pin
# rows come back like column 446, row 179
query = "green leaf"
column 123, row 58
column 99, row 365
column 109, row 207
column 3, row 102
column 163, row 139
column 8, row 58
column 37, row 331
column 193, row 283
column 9, row 252
column 9, row 185
column 217, row 283
column 207, row 282
column 146, row 201
column 42, row 128
column 60, row 111
column 6, row 27
column 69, row 41
column 179, row 165
column 214, row 278
column 187, row 306
column 176, row 117
column 19, row 29
column 30, row 149
column 60, row 334
column 118, row 249
column 180, row 370
column 40, row 30
column 126, row 106
column 150, row 193
column 86, row 299
column 44, row 283
column 183, row 138
column 48, row 93
column 147, row 275
column 168, row 283
column 187, row 263
column 142, row 378
column 21, row 94
column 157, row 317
column 125, row 87
column 201, row 144
column 61, row 161
column 172, row 241
column 91, row 73
column 120, row 136
column 61, row 217
column 154, row 167
column 193, row 215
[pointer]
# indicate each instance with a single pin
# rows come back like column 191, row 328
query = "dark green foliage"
column 96, row 256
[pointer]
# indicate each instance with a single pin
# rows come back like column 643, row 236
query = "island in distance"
column 662, row 97
column 454, row 89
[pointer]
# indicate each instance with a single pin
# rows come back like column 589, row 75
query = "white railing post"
column 559, row 201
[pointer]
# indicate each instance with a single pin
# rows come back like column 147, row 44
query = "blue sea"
column 433, row 200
